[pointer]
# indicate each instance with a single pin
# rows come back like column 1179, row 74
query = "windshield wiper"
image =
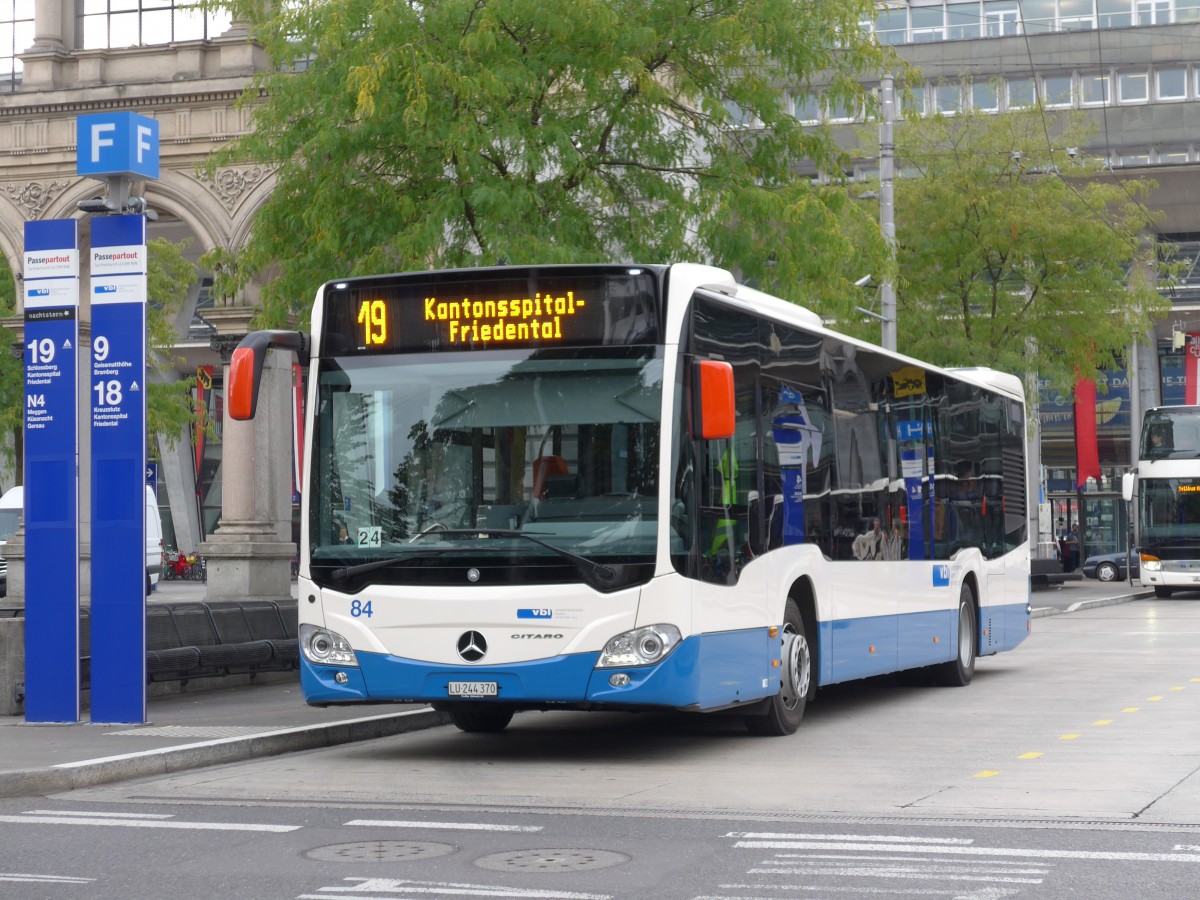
column 362, row 568
column 598, row 575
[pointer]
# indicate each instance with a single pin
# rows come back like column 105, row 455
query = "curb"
column 1041, row 612
column 164, row 761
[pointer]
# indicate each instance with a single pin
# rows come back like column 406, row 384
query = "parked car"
column 1110, row 566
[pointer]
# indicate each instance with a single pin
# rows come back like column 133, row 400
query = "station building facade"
column 1129, row 65
column 61, row 59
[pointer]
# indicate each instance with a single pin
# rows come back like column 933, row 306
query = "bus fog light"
column 640, row 647
column 326, row 648
column 341, row 677
column 619, row 679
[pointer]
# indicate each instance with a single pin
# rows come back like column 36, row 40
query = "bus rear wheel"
column 786, row 709
column 480, row 718
column 959, row 671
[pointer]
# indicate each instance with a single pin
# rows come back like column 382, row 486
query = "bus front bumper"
column 569, row 681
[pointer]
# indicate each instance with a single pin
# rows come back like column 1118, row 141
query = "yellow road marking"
column 1154, row 699
column 1130, row 709
column 987, row 773
column 1102, row 722
column 1034, row 755
column 1177, row 688
column 1067, row 737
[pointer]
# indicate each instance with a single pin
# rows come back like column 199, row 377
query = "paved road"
column 1107, row 700
column 1071, row 767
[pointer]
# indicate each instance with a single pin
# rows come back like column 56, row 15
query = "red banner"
column 1191, row 368
column 1087, row 452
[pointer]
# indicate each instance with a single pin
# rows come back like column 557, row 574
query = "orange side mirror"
column 714, row 384
column 246, row 365
column 241, row 390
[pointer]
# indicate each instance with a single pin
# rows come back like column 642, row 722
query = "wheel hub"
column 796, row 670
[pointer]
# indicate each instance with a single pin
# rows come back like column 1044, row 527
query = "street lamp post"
column 887, row 221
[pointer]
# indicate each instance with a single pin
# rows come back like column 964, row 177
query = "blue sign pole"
column 118, row 402
column 51, row 471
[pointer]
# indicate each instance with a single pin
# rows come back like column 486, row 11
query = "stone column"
column 247, row 559
column 49, row 17
column 53, row 37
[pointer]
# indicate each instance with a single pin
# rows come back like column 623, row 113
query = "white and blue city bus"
column 637, row 487
column 1166, row 485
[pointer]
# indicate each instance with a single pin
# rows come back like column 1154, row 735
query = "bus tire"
column 480, row 718
column 785, row 710
column 1163, row 592
column 959, row 671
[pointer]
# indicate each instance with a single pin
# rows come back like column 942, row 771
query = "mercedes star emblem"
column 472, row 646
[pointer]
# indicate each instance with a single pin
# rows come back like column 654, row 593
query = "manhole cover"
column 551, row 860
column 379, row 851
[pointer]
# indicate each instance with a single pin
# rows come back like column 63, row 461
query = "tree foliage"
column 409, row 135
column 169, row 399
column 12, row 378
column 1014, row 254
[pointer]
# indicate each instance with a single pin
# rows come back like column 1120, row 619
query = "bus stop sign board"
column 51, row 471
column 118, row 404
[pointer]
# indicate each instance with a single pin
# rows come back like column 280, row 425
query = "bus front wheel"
column 959, row 671
column 1163, row 592
column 786, row 709
column 479, row 718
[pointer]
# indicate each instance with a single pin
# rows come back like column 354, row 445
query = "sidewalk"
column 192, row 730
column 187, row 731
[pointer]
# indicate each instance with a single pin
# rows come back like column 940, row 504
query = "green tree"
column 1014, row 255
column 460, row 132
column 12, row 380
column 169, row 399
column 168, row 402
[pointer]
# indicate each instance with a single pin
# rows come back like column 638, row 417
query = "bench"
column 201, row 640
column 1046, row 572
column 205, row 640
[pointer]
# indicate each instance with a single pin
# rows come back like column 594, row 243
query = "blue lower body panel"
column 704, row 672
column 850, row 649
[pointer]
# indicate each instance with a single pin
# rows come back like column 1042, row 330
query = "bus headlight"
column 325, row 647
column 640, row 647
column 1151, row 564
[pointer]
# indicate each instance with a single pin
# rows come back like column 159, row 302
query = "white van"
column 12, row 507
column 154, row 540
column 10, row 521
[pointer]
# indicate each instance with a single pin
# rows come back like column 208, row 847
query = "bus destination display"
column 402, row 316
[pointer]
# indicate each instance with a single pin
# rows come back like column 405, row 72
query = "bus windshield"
column 433, row 461
column 1169, row 510
column 1171, row 433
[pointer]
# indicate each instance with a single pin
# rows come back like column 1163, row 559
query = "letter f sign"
column 143, row 144
column 98, row 141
